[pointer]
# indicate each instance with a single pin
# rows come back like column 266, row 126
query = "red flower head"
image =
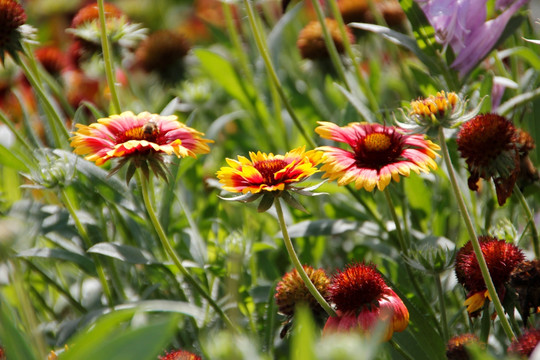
column 488, row 143
column 359, row 11
column 140, row 140
column 455, row 348
column 501, row 258
column 379, row 154
column 525, row 279
column 362, row 299
column 12, row 16
column 180, row 355
column 526, row 343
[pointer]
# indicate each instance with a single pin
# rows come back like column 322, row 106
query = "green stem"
column 263, row 49
column 392, row 209
column 474, row 239
column 398, row 348
column 84, row 235
column 172, row 254
column 56, row 124
column 405, row 250
column 296, row 262
column 372, row 100
column 530, row 218
column 109, row 71
column 443, row 307
column 330, row 45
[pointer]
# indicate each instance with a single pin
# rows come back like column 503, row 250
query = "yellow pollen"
column 434, row 104
column 377, row 142
column 135, row 133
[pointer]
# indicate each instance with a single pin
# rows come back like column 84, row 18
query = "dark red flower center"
column 268, row 169
column 378, row 149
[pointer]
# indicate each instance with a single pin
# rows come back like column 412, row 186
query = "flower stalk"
column 474, row 239
column 263, row 49
column 530, row 218
column 172, row 254
column 84, row 235
column 296, row 262
column 107, row 58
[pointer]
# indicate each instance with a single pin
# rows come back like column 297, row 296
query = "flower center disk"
column 377, row 142
column 268, row 169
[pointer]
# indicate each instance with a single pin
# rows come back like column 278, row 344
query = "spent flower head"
column 426, row 115
column 138, row 140
column 12, row 17
column 311, row 41
column 489, row 145
column 270, row 176
column 501, row 259
column 525, row 280
column 362, row 300
column 163, row 52
column 378, row 154
column 291, row 290
column 456, row 346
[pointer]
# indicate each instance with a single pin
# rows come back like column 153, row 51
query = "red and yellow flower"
column 362, row 300
column 501, row 259
column 525, row 344
column 268, row 172
column 378, row 154
column 140, row 139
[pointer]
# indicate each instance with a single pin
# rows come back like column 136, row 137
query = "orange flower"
column 379, row 154
column 140, row 140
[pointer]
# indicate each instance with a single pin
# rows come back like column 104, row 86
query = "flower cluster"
column 180, row 355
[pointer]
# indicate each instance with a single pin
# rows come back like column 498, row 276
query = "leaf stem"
column 444, row 321
column 296, row 262
column 172, row 254
column 474, row 239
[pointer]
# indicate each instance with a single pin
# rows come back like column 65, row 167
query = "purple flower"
column 454, row 20
column 463, row 25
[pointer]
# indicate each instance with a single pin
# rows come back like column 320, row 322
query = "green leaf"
column 291, row 201
column 517, row 101
column 9, row 159
column 523, row 52
column 60, row 254
column 303, row 341
column 124, row 253
column 17, row 344
column 112, row 339
column 266, row 202
column 398, row 38
column 321, row 227
column 221, row 70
